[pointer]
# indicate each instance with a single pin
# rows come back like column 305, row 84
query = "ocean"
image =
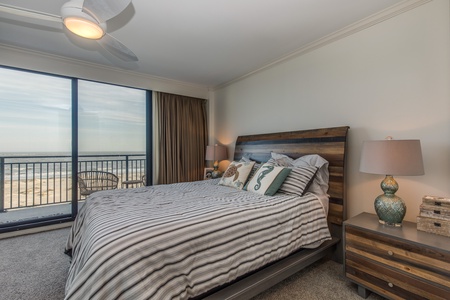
column 48, row 165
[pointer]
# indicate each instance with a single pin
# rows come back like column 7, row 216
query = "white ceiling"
column 205, row 42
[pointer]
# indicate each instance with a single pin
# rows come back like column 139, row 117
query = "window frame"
column 45, row 221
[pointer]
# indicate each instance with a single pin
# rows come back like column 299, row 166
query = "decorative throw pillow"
column 298, row 181
column 255, row 168
column 268, row 179
column 246, row 158
column 236, row 174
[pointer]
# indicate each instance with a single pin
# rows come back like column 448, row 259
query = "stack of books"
column 434, row 215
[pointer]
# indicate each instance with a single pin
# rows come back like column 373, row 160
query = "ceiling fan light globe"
column 84, row 28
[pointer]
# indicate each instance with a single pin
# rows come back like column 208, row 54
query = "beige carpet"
column 35, row 267
column 322, row 280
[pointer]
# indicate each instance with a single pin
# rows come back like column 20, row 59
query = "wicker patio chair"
column 93, row 181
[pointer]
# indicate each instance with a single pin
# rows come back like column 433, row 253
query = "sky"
column 35, row 115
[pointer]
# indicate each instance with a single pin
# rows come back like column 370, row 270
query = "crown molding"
column 70, row 67
column 358, row 26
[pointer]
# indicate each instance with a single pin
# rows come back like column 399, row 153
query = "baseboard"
column 35, row 230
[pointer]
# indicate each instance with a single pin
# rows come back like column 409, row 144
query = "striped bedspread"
column 181, row 240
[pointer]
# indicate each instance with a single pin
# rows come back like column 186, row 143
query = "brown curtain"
column 181, row 137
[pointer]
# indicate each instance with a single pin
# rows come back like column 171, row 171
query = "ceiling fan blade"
column 29, row 13
column 104, row 10
column 117, row 48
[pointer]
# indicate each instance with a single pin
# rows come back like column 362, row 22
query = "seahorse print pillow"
column 268, row 179
column 236, row 174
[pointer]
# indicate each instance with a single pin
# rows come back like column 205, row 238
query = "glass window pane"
column 35, row 128
column 111, row 133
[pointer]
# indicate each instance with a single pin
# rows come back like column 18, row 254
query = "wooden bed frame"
column 330, row 143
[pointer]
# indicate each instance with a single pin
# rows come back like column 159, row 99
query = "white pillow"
column 280, row 160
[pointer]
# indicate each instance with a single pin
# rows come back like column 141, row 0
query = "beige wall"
column 389, row 79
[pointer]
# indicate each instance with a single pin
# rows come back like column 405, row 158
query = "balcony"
column 41, row 186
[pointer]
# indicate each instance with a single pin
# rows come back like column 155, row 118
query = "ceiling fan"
column 85, row 18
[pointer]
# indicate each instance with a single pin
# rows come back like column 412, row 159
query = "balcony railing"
column 27, row 181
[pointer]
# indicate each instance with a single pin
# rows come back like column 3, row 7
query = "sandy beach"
column 36, row 192
column 26, row 193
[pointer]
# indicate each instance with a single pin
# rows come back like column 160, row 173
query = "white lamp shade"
column 216, row 153
column 392, row 157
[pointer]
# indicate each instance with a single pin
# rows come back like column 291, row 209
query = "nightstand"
column 396, row 262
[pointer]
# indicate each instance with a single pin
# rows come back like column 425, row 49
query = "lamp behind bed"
column 216, row 153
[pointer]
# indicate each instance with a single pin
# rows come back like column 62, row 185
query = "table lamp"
column 216, row 153
column 391, row 157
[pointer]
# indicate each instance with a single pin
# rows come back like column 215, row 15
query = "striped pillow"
column 298, row 180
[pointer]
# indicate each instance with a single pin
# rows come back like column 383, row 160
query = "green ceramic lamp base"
column 390, row 209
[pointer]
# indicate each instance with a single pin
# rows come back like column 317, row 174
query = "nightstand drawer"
column 391, row 282
column 398, row 263
column 408, row 257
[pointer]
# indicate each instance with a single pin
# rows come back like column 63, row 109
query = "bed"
column 209, row 241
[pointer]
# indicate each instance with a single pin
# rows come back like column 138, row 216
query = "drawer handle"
column 390, row 252
column 390, row 284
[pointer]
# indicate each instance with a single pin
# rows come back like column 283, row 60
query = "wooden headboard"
column 330, row 143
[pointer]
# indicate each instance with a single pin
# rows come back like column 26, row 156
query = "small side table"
column 127, row 183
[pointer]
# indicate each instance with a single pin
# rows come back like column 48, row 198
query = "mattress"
column 181, row 240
